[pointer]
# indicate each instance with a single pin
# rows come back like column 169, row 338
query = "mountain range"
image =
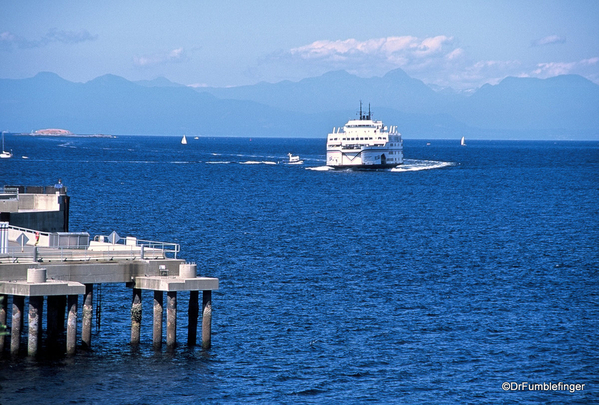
column 562, row 107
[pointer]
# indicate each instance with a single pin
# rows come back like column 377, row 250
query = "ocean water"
column 436, row 283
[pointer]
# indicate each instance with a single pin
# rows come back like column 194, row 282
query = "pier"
column 41, row 262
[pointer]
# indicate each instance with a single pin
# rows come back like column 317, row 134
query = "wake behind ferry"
column 364, row 144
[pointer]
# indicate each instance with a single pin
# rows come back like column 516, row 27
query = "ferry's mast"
column 365, row 117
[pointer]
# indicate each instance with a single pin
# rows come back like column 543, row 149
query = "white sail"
column 4, row 154
column 184, row 140
column 463, row 141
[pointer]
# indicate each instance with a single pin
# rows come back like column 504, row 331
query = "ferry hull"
column 365, row 167
column 366, row 159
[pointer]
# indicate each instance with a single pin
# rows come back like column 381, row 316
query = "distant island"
column 52, row 132
column 64, row 133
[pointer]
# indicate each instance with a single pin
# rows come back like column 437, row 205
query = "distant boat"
column 4, row 154
column 184, row 140
column 294, row 159
column 463, row 141
column 196, row 137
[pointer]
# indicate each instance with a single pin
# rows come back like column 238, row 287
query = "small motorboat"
column 294, row 159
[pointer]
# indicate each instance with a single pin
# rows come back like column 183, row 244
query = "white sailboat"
column 4, row 154
column 463, row 141
column 184, row 140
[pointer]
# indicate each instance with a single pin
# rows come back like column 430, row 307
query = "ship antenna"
column 369, row 112
column 360, row 109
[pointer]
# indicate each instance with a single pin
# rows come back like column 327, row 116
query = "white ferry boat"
column 364, row 144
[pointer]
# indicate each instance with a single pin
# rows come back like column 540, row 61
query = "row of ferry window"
column 357, row 139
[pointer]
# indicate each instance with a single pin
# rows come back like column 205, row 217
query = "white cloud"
column 370, row 57
column 437, row 60
column 399, row 51
column 470, row 75
column 550, row 69
column 590, row 62
column 174, row 56
column 7, row 41
column 69, row 37
column 455, row 54
column 553, row 69
column 10, row 41
column 7, row 36
column 549, row 40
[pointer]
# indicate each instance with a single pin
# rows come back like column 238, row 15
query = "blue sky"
column 458, row 44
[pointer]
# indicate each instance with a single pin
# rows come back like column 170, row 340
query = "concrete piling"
column 3, row 306
column 157, row 327
column 193, row 313
column 18, row 303
column 51, row 322
column 86, row 321
column 136, row 317
column 72, row 324
column 207, row 319
column 35, row 313
column 55, row 320
column 41, row 312
column 60, row 317
column 171, row 320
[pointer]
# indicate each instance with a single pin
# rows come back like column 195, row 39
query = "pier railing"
column 44, row 255
column 20, row 189
column 113, row 242
column 10, row 193
column 28, row 237
column 30, row 245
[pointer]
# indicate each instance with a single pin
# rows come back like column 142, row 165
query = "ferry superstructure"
column 364, row 144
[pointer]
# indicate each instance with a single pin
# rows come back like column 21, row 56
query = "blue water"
column 477, row 266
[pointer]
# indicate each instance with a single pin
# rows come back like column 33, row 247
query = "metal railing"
column 28, row 237
column 21, row 189
column 166, row 247
column 130, row 242
column 45, row 254
column 29, row 245
column 10, row 193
